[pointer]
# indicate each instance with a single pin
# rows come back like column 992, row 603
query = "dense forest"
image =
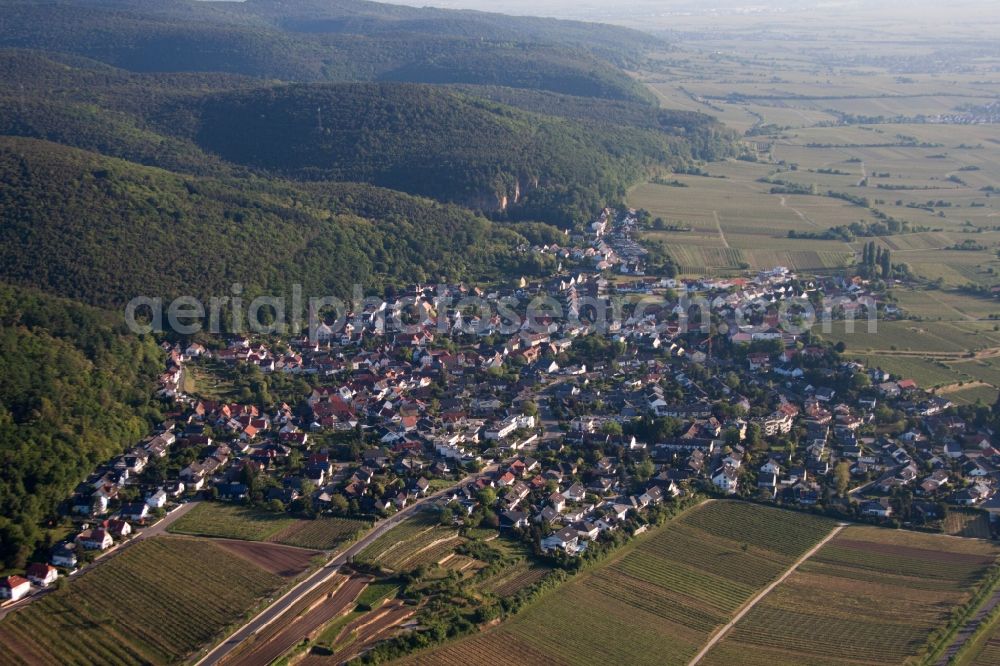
column 548, row 159
column 346, row 40
column 74, row 390
column 104, row 230
column 432, row 142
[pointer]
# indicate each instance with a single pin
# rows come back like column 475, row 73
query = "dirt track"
column 719, row 635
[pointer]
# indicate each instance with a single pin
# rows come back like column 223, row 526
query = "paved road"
column 158, row 528
column 168, row 520
column 969, row 629
column 317, row 578
column 763, row 593
column 264, row 652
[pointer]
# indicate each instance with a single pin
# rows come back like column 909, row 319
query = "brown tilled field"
column 919, row 553
column 285, row 561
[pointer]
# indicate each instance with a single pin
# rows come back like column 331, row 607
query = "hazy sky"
column 632, row 11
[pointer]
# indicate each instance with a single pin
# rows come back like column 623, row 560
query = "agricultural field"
column 967, row 523
column 286, row 561
column 659, row 599
column 342, row 631
column 155, row 603
column 870, row 595
column 521, row 571
column 852, row 134
column 935, row 338
column 461, row 563
column 736, row 224
column 323, row 533
column 233, row 521
column 985, row 370
column 971, row 395
column 417, row 541
column 331, row 599
column 931, row 358
column 927, row 373
column 514, row 579
column 948, row 305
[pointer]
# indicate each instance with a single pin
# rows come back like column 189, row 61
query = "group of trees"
column 434, row 142
column 875, row 260
column 859, row 229
column 74, row 391
column 545, row 157
column 338, row 41
column 147, row 232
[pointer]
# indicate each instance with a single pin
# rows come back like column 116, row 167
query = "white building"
column 14, row 587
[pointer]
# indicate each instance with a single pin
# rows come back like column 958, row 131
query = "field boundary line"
column 763, row 593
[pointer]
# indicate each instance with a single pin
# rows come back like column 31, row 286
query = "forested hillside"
column 555, row 158
column 74, row 390
column 620, row 45
column 104, row 230
column 336, row 41
column 431, row 142
column 707, row 139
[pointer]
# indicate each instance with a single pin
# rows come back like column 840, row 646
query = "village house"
column 95, row 539
column 566, row 539
column 880, row 508
column 63, row 555
column 157, row 500
column 14, row 587
column 42, row 574
column 726, row 479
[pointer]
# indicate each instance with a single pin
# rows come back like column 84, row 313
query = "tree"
column 339, row 504
column 487, row 496
column 645, row 470
column 886, row 264
column 732, row 380
column 249, row 478
column 612, row 428
column 861, row 381
column 294, row 460
column 276, row 505
column 155, row 472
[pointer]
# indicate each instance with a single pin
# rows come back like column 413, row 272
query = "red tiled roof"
column 11, row 582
